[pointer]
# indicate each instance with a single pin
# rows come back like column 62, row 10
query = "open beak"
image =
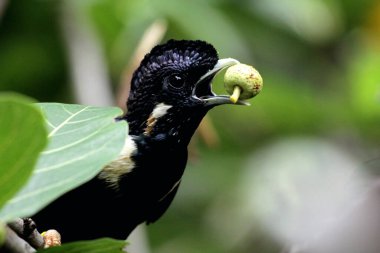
column 203, row 90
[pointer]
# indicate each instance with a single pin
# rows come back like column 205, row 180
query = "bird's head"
column 171, row 89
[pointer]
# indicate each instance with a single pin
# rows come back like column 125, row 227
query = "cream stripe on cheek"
column 159, row 110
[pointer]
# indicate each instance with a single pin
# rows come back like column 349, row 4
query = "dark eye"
column 176, row 81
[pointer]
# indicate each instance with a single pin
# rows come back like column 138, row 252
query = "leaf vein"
column 84, row 120
column 73, row 143
column 47, row 188
column 66, row 110
column 59, row 165
column 65, row 121
column 49, row 123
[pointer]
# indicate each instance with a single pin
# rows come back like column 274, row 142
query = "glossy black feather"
column 190, row 58
column 95, row 209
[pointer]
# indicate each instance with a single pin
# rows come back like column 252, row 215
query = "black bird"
column 170, row 94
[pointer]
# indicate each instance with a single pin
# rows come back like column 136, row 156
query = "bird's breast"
column 112, row 172
column 159, row 170
column 147, row 169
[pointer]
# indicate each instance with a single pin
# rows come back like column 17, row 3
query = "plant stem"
column 236, row 94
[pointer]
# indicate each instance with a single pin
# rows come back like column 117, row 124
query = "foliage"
column 319, row 63
column 2, row 233
column 22, row 137
column 94, row 246
column 82, row 139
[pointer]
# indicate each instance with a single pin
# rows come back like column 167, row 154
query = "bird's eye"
column 176, row 81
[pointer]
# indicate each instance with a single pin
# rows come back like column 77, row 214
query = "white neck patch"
column 159, row 110
column 112, row 172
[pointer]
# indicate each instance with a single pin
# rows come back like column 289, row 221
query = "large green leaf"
column 22, row 138
column 99, row 245
column 82, row 140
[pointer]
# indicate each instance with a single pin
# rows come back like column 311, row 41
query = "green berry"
column 242, row 82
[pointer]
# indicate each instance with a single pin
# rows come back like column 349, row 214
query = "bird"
column 170, row 94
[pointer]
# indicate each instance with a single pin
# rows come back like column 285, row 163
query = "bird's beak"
column 203, row 90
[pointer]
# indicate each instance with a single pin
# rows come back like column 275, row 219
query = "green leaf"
column 2, row 234
column 82, row 140
column 94, row 246
column 22, row 138
column 364, row 79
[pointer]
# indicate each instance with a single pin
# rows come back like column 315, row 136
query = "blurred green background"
column 319, row 60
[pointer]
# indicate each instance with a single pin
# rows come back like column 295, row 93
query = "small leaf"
column 94, row 246
column 82, row 140
column 22, row 138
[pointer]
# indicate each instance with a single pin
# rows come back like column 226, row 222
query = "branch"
column 3, row 5
column 15, row 244
column 151, row 37
column 22, row 237
column 26, row 229
column 88, row 69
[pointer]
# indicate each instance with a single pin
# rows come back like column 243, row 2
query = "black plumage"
column 170, row 94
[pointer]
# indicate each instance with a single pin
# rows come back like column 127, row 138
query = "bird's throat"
column 178, row 128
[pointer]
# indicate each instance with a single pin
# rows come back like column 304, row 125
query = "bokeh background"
column 256, row 179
